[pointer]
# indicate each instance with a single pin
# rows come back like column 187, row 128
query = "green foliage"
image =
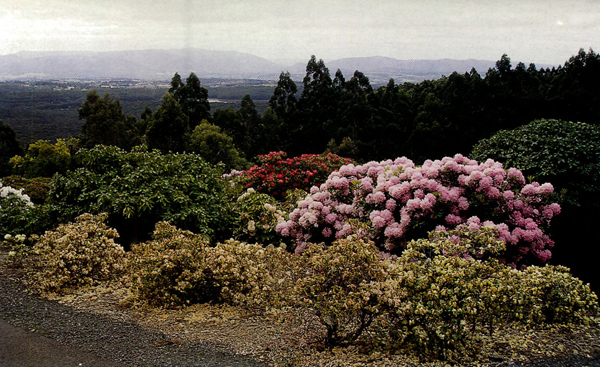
column 214, row 146
column 564, row 153
column 140, row 188
column 168, row 126
column 44, row 159
column 258, row 217
column 105, row 122
column 77, row 254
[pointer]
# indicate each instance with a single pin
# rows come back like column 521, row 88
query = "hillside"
column 162, row 64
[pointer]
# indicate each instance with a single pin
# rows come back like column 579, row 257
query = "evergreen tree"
column 105, row 122
column 168, row 128
column 192, row 97
column 9, row 147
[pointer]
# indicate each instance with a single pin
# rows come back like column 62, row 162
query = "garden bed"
column 278, row 338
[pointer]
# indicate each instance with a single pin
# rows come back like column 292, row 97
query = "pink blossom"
column 453, row 220
column 331, row 218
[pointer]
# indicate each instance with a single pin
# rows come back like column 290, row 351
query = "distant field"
column 48, row 109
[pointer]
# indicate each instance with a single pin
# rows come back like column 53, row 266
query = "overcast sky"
column 540, row 31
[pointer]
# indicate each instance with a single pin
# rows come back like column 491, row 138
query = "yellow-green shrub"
column 171, row 270
column 551, row 295
column 179, row 268
column 248, row 274
column 340, row 284
column 76, row 254
column 450, row 296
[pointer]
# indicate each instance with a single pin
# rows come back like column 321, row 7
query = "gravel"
column 119, row 341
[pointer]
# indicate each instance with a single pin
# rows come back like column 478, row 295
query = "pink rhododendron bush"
column 396, row 201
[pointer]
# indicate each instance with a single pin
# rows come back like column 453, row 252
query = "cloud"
column 527, row 29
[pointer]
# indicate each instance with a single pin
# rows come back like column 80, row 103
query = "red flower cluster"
column 276, row 174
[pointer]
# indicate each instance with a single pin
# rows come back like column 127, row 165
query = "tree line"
column 329, row 113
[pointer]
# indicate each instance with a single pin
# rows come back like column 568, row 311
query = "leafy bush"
column 179, row 268
column 337, row 283
column 18, row 249
column 258, row 217
column 77, row 254
column 170, row 270
column 216, row 146
column 275, row 174
column 250, row 275
column 399, row 202
column 44, row 159
column 564, row 153
column 437, row 297
column 447, row 295
column 140, row 188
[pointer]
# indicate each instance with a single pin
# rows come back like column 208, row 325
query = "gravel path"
column 58, row 331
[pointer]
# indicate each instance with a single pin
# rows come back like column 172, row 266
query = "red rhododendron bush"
column 275, row 173
column 396, row 201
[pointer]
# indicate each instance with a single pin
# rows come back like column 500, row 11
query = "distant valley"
column 161, row 65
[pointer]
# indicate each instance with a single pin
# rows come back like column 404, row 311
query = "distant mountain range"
column 163, row 64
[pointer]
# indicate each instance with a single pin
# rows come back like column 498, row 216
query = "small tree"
column 215, row 146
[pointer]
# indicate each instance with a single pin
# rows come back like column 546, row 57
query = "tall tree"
column 317, row 109
column 283, row 101
column 169, row 127
column 105, row 122
column 192, row 97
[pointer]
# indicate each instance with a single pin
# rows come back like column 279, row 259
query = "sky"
column 538, row 31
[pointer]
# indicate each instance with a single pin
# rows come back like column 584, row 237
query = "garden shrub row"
column 434, row 299
column 388, row 254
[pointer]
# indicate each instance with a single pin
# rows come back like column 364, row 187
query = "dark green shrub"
column 567, row 154
column 140, row 188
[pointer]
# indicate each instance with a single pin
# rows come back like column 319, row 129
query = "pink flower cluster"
column 397, row 202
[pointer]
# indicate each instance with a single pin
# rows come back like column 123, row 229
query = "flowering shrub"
column 14, row 210
column 258, row 217
column 7, row 192
column 400, row 202
column 179, row 268
column 77, row 254
column 275, row 174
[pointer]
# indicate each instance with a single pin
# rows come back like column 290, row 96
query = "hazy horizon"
column 541, row 32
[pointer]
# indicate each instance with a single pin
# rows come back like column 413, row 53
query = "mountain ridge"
column 161, row 64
